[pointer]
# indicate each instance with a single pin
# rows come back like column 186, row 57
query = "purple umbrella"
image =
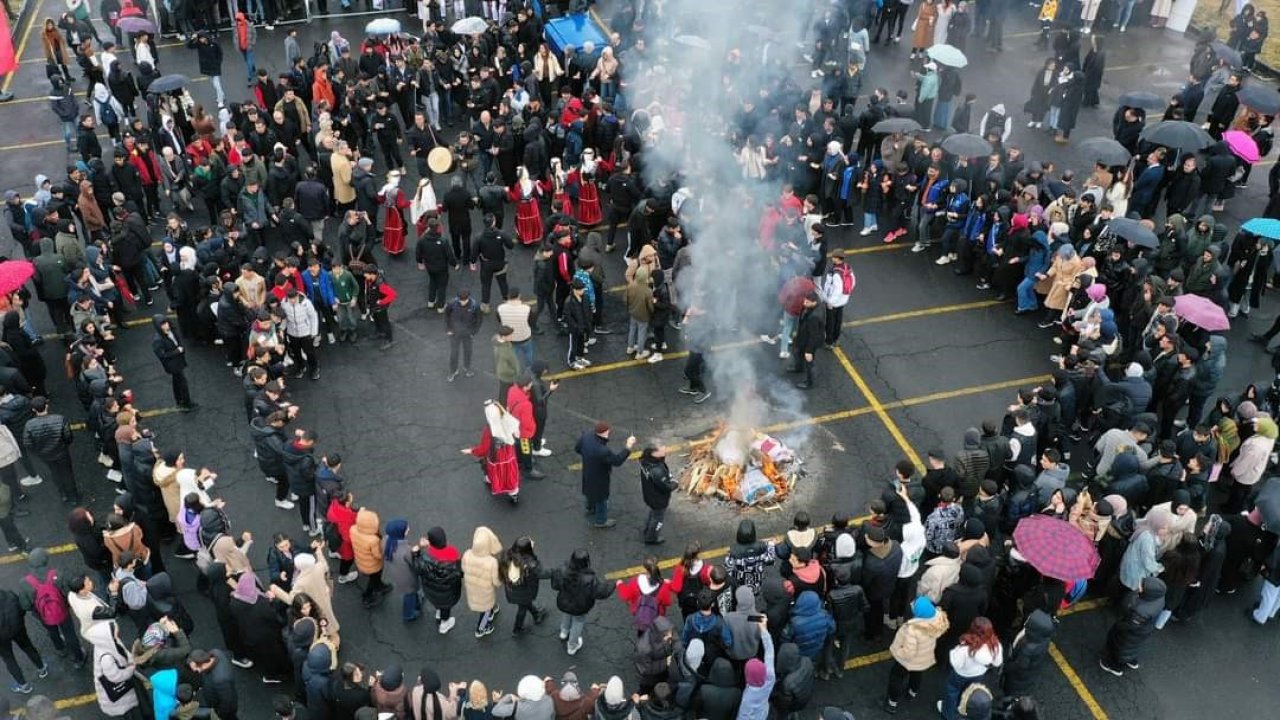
column 1201, row 311
column 136, row 25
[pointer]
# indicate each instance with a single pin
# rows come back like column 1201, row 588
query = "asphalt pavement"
column 924, row 356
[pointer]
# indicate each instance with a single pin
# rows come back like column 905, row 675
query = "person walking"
column 578, row 588
column 656, row 486
column 209, row 62
column 521, row 573
column 168, row 348
column 13, row 630
column 246, row 37
column 44, row 593
column 439, row 569
column 491, row 250
column 366, row 542
column 836, row 287
column 48, row 437
column 481, row 579
column 462, row 322
column 598, row 462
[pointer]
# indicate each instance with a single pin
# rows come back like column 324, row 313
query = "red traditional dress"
column 584, row 177
column 394, row 204
column 561, row 202
column 498, row 452
column 525, row 194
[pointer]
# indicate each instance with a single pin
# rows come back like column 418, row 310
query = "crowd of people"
column 272, row 226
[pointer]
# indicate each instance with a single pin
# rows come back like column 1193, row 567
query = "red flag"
column 8, row 59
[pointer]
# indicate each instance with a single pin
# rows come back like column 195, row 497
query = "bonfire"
column 740, row 465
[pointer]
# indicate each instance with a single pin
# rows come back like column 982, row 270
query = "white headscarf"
column 424, row 201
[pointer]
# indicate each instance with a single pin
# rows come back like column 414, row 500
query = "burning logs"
column 740, row 465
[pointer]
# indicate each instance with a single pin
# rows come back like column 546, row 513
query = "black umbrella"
column 1133, row 232
column 1142, row 99
column 1268, row 504
column 168, row 83
column 1225, row 53
column 895, row 125
column 1104, row 150
column 1259, row 97
column 966, row 145
column 1177, row 134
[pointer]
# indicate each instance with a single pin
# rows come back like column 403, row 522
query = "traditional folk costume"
column 525, row 194
column 584, row 179
column 497, row 450
column 424, row 206
column 394, row 204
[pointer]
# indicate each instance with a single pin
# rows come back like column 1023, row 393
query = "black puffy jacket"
column 48, row 437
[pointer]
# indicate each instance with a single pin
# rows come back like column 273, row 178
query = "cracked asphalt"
column 399, row 426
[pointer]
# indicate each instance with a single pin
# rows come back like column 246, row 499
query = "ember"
column 740, row 465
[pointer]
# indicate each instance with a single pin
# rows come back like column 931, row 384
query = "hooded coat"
column 1026, row 653
column 914, row 643
column 317, row 677
column 963, row 602
column 745, row 634
column 719, row 696
column 366, row 542
column 112, row 665
column 810, row 625
column 1137, row 622
column 796, row 681
column 480, row 570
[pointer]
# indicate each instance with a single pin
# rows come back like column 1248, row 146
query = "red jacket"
column 519, row 405
column 629, row 592
column 343, row 517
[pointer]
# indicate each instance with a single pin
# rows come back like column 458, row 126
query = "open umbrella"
column 1142, row 99
column 1259, row 97
column 895, row 125
column 1133, row 232
column 1177, row 134
column 947, row 55
column 168, row 83
column 966, row 145
column 1104, row 150
column 1241, row 145
column 1224, row 52
column 1268, row 228
column 1055, row 548
column 136, row 25
column 470, row 26
column 382, row 26
column 14, row 274
column 1201, row 311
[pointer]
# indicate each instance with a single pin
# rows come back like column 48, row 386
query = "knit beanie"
column 845, row 546
column 755, row 673
column 613, row 691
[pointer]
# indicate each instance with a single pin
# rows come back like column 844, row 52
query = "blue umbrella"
column 1264, row 227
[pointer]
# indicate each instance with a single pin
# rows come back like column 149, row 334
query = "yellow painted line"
column 1076, row 683
column 879, row 410
column 22, row 47
column 863, row 661
column 1084, row 606
column 875, row 319
column 965, row 392
column 19, row 557
column 77, row 701
column 145, row 413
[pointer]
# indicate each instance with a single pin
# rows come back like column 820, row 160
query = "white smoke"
column 707, row 56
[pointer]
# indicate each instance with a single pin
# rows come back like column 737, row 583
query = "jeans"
column 1268, row 603
column 1027, row 294
column 601, row 510
column 410, row 607
column 637, row 334
column 1125, row 13
column 788, row 328
column 1052, row 118
column 572, row 625
column 956, row 684
column 486, row 619
column 653, row 524
column 348, row 318
column 69, row 133
column 433, row 110
column 524, row 353
column 251, row 68
column 869, row 220
column 459, row 341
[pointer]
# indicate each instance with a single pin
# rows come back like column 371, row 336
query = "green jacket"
column 51, row 273
column 508, row 367
column 345, row 287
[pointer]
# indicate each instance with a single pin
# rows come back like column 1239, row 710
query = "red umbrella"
column 14, row 274
column 1056, row 548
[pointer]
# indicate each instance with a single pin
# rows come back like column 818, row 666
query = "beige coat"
column 366, row 541
column 166, row 478
column 915, row 640
column 317, row 584
column 343, row 191
column 1057, row 286
column 226, row 551
column 480, row 570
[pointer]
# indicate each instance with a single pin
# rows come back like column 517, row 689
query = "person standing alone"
column 48, row 437
column 167, row 346
column 837, row 285
column 598, row 462
column 656, row 486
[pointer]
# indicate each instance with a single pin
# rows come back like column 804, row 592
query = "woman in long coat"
column 394, row 202
column 1072, row 94
column 1095, row 64
column 1056, row 287
column 258, row 621
column 926, row 19
column 1038, row 104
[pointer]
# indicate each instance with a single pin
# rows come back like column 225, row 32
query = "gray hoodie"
column 746, row 634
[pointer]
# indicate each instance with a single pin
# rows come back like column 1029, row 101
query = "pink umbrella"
column 1201, row 311
column 14, row 274
column 1241, row 145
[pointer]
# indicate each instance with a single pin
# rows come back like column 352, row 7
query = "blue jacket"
column 755, row 700
column 325, row 294
column 992, row 235
column 934, row 195
column 598, row 462
column 702, row 626
column 1038, row 258
column 1147, row 185
column 810, row 625
column 957, row 203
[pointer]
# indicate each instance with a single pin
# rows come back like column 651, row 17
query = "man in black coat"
column 598, row 462
column 491, row 251
column 457, row 203
column 48, row 437
column 810, row 333
column 434, row 256
column 209, row 61
column 656, row 486
column 167, row 346
column 624, row 192
column 217, row 681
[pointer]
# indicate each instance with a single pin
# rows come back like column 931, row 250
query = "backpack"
column 847, row 280
column 107, row 113
column 646, row 612
column 128, row 9
column 49, row 604
column 204, row 556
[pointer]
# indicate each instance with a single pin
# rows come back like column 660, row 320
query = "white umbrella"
column 948, row 55
column 470, row 26
column 383, row 26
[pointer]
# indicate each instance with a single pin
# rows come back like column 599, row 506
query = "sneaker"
column 1114, row 671
column 868, row 230
column 242, row 662
column 31, row 481
column 453, row 376
column 185, row 554
column 115, row 476
column 891, row 707
column 1130, row 665
column 784, row 355
column 292, row 496
column 918, row 247
column 1055, row 359
column 484, row 631
column 688, row 391
column 270, row 681
column 348, row 578
column 702, row 398
column 105, row 460
column 585, row 362
column 26, row 689
column 655, row 358
column 571, row 648
column 284, row 505
column 605, row 525
column 602, row 330
column 315, row 374
column 387, row 345
column 631, row 350
column 591, row 341
column 270, row 479
column 446, row 626
column 331, row 339
column 944, row 260
column 1046, row 324
column 542, row 452
column 983, row 286
column 769, row 339
column 42, row 672
column 643, row 354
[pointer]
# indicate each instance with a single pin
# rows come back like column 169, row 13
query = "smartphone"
column 755, row 618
